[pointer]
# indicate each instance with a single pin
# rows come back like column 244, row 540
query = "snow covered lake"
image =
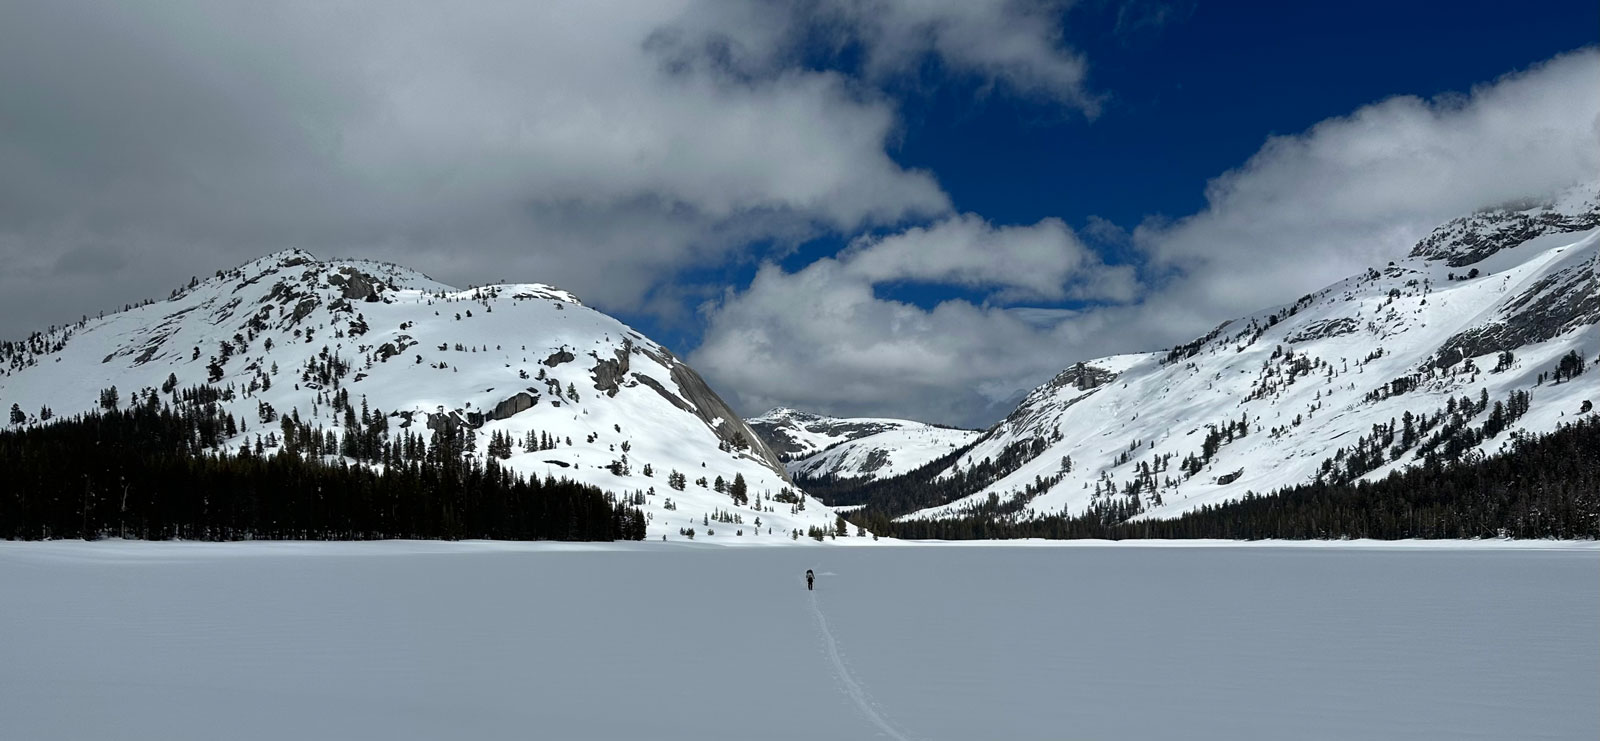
column 644, row 641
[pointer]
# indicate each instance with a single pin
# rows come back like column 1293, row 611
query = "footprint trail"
column 851, row 686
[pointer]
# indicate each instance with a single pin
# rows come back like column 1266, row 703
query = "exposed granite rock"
column 1325, row 328
column 558, row 357
column 1470, row 239
column 357, row 286
column 519, row 402
column 696, row 397
column 303, row 309
column 1553, row 306
column 608, row 373
column 876, row 458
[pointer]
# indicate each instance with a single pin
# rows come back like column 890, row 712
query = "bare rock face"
column 875, row 460
column 1470, row 239
column 448, row 422
column 356, row 285
column 558, row 357
column 1084, row 377
column 608, row 373
column 1080, row 376
column 1553, row 306
column 696, row 397
column 520, row 402
column 304, row 309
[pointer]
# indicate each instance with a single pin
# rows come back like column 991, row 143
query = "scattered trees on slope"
column 1541, row 487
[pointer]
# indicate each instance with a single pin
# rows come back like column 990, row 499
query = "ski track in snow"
column 850, row 685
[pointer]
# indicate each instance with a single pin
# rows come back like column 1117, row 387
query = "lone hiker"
column 810, row 578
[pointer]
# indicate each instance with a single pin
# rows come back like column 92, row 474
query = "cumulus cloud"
column 1356, row 190
column 1013, row 44
column 1304, row 211
column 602, row 147
column 1039, row 261
column 823, row 335
column 820, row 336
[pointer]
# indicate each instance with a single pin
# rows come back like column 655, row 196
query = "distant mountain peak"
column 816, row 446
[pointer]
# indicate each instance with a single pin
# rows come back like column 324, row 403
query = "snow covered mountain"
column 865, row 448
column 565, row 390
column 1480, row 334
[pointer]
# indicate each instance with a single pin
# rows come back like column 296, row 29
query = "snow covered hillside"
column 550, row 386
column 867, row 448
column 1480, row 334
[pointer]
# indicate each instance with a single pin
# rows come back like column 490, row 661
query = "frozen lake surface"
column 646, row 641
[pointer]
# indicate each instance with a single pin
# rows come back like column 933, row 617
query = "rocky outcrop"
column 519, row 402
column 356, row 285
column 558, row 357
column 390, row 349
column 1553, row 306
column 303, row 309
column 696, row 397
column 876, row 459
column 1470, row 239
column 1084, row 377
column 1326, row 328
column 608, row 373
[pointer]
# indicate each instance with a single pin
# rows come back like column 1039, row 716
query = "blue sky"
column 916, row 208
column 1191, row 90
column 1198, row 94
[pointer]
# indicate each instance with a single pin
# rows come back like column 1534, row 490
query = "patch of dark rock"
column 558, row 357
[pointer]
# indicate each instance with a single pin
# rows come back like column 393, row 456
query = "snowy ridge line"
column 867, row 448
column 849, row 683
column 360, row 356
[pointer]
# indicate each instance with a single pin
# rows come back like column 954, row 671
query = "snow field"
column 402, row 640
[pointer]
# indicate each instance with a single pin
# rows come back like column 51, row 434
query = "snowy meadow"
column 401, row 640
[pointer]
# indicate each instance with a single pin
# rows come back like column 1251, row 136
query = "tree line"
column 156, row 472
column 1544, row 486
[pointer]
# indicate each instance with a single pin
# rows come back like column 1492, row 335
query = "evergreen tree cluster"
column 1446, row 433
column 921, row 488
column 1542, row 487
column 1569, row 367
column 152, row 472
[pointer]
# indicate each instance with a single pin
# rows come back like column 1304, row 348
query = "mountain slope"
column 578, row 394
column 1447, row 353
column 862, row 448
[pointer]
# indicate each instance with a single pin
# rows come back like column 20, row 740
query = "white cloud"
column 1361, row 189
column 1011, row 44
column 604, row 147
column 1017, row 45
column 1305, row 211
column 1039, row 261
column 823, row 335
